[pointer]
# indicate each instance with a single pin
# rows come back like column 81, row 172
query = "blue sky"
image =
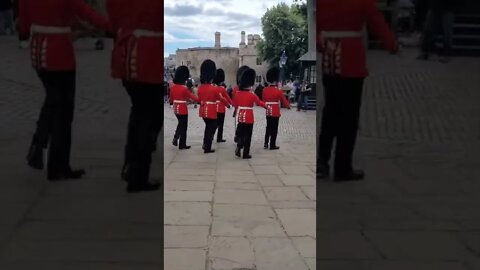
column 193, row 23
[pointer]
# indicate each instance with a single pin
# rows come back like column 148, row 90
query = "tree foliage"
column 285, row 28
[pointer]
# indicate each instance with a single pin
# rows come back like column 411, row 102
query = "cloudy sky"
column 193, row 23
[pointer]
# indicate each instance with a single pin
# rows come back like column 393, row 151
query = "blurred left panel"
column 81, row 109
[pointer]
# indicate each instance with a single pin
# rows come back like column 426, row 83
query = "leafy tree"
column 285, row 28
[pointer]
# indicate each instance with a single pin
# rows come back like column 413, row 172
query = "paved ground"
column 224, row 213
column 89, row 224
column 419, row 143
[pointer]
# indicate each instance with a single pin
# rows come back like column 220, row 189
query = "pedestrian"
column 7, row 25
column 179, row 96
column 208, row 96
column 302, row 100
column 272, row 96
column 439, row 17
column 221, row 105
column 137, row 59
column 48, row 23
column 234, row 92
column 244, row 101
column 341, row 42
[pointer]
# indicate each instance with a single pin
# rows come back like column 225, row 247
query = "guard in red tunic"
column 137, row 59
column 244, row 101
column 48, row 24
column 208, row 96
column 342, row 44
column 272, row 96
column 234, row 92
column 179, row 96
column 221, row 105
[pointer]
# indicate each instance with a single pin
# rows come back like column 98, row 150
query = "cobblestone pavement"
column 419, row 144
column 224, row 213
column 87, row 224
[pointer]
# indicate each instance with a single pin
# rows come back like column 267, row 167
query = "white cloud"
column 200, row 19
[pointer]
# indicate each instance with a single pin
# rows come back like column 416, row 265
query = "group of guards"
column 137, row 60
column 213, row 99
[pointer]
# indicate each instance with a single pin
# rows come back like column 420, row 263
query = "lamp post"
column 283, row 62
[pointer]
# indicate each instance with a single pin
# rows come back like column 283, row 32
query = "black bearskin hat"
column 181, row 75
column 207, row 71
column 219, row 77
column 247, row 79
column 240, row 71
column 273, row 75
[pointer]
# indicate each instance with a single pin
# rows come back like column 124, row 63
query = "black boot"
column 147, row 186
column 274, row 147
column 247, row 156
column 67, row 175
column 186, row 147
column 238, row 152
column 175, row 141
column 265, row 145
column 35, row 157
column 323, row 172
column 353, row 175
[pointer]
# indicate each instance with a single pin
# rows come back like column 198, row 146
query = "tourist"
column 7, row 25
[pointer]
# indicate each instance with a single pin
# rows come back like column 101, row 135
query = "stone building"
column 227, row 58
column 169, row 66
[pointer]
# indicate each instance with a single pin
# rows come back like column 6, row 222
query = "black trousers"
column 181, row 131
column 145, row 124
column 272, row 131
column 245, row 132
column 54, row 125
column 220, row 124
column 340, row 120
column 210, row 127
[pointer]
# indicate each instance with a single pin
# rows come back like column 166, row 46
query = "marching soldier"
column 244, row 101
column 179, row 96
column 137, row 59
column 341, row 41
column 272, row 96
column 221, row 106
column 208, row 96
column 235, row 91
column 49, row 22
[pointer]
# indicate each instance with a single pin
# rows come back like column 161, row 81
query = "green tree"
column 285, row 28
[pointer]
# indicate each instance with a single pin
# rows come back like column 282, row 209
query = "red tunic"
column 234, row 91
column 179, row 96
column 208, row 96
column 138, row 50
column 346, row 56
column 243, row 102
column 272, row 96
column 221, row 105
column 50, row 23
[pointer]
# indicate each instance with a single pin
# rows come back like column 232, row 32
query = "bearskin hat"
column 181, row 75
column 240, row 71
column 207, row 71
column 273, row 75
column 247, row 79
column 219, row 77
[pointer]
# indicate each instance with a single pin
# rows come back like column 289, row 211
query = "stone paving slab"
column 87, row 224
column 418, row 143
column 258, row 207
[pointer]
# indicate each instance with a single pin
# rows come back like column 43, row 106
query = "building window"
column 313, row 74
column 259, row 79
column 259, row 61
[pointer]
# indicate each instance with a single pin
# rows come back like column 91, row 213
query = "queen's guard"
column 273, row 97
column 341, row 40
column 48, row 24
